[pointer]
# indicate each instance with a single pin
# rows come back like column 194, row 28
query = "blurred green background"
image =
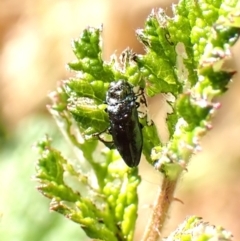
column 35, row 45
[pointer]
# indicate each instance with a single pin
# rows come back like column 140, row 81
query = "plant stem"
column 160, row 210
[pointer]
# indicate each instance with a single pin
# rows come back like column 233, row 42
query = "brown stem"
column 160, row 210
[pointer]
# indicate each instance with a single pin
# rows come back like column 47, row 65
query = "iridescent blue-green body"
column 124, row 123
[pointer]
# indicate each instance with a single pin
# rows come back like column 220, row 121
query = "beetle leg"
column 109, row 144
column 142, row 107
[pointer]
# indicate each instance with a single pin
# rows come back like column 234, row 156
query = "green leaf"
column 103, row 203
column 194, row 228
column 89, row 56
column 87, row 113
column 204, row 53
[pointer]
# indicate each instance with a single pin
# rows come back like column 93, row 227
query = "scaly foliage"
column 184, row 58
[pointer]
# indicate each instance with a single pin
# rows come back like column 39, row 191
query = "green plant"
column 185, row 57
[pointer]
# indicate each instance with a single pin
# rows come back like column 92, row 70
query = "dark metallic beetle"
column 124, row 124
